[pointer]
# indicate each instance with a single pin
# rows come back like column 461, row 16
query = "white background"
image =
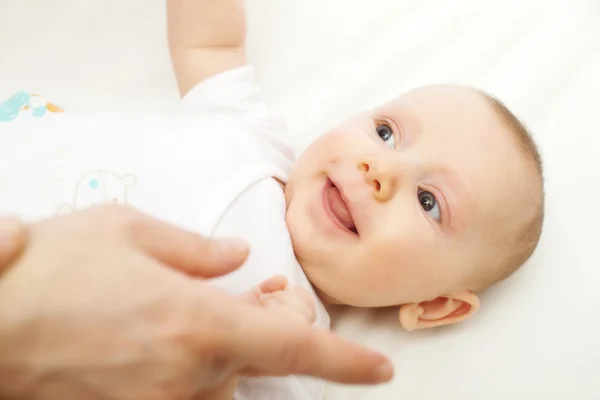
column 322, row 60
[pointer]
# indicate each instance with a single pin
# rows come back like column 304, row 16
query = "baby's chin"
column 326, row 299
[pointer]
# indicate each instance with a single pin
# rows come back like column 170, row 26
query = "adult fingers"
column 264, row 346
column 13, row 238
column 189, row 252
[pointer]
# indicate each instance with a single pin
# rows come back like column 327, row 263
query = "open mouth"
column 337, row 208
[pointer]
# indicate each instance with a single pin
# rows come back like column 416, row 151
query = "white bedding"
column 537, row 334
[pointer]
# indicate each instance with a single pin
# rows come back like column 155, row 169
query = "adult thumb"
column 188, row 252
column 218, row 256
column 13, row 238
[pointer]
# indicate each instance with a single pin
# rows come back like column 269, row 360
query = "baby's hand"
column 278, row 295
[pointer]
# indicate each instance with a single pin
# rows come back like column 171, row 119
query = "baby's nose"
column 382, row 179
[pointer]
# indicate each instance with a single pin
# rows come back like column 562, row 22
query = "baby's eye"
column 429, row 204
column 386, row 134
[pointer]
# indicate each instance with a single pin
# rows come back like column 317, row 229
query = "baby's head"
column 422, row 203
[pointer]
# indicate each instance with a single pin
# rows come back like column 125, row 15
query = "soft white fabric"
column 258, row 214
column 536, row 336
column 210, row 170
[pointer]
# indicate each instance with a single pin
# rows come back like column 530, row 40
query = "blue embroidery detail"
column 38, row 112
column 13, row 106
column 94, row 183
column 20, row 101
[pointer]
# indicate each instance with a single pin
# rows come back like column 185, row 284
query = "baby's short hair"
column 519, row 248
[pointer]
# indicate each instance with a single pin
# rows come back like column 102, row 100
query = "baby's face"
column 400, row 204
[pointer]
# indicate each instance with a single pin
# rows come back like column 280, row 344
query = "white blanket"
column 321, row 60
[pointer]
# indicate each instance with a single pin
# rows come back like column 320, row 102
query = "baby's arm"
column 206, row 37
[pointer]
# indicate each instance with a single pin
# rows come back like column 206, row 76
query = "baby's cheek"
column 345, row 139
column 397, row 260
column 326, row 145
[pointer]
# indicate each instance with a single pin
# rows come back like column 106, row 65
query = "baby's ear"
column 443, row 310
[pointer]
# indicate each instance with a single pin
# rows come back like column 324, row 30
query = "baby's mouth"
column 339, row 208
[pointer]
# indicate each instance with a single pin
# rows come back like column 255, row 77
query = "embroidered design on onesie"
column 23, row 101
column 96, row 187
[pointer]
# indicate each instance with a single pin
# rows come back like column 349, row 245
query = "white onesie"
column 209, row 169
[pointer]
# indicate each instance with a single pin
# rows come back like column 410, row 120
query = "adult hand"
column 12, row 240
column 96, row 306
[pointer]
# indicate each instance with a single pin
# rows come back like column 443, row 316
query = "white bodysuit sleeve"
column 234, row 93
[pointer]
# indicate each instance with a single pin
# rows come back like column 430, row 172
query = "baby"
column 419, row 204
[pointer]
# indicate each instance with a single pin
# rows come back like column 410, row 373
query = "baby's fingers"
column 295, row 303
column 306, row 302
column 274, row 284
column 270, row 285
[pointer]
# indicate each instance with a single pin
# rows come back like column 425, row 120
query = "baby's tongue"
column 339, row 208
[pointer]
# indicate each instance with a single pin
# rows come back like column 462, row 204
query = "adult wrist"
column 15, row 378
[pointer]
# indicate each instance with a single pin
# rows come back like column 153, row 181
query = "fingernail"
column 384, row 372
column 233, row 245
